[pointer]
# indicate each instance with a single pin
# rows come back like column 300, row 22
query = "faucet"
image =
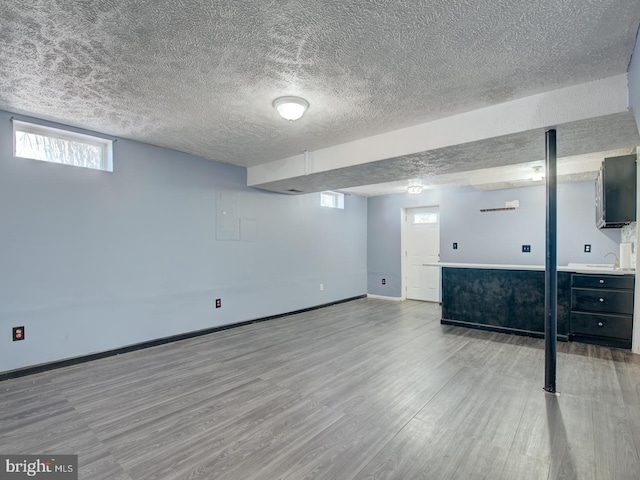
column 616, row 261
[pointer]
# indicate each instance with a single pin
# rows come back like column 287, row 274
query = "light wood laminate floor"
column 368, row 389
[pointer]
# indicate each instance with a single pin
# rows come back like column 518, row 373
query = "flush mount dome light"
column 291, row 108
column 537, row 174
column 414, row 189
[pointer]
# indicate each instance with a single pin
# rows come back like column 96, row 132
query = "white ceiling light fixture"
column 290, row 108
column 537, row 174
column 414, row 189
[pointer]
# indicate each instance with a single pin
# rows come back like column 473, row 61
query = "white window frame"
column 338, row 199
column 105, row 144
column 426, row 218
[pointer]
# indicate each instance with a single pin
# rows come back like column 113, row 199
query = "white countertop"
column 561, row 268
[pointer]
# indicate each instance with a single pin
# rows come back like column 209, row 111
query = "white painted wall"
column 635, row 342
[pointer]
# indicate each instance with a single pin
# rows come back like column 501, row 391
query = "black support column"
column 551, row 269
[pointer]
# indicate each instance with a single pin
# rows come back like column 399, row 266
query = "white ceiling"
column 200, row 76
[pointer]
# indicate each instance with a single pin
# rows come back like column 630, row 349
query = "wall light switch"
column 384, row 281
column 455, row 245
column 526, row 248
column 587, row 248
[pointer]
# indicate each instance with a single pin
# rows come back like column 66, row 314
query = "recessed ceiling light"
column 290, row 108
column 414, row 189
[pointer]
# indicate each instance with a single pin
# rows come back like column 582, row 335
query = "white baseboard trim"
column 382, row 297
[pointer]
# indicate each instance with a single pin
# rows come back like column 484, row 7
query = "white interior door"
column 422, row 246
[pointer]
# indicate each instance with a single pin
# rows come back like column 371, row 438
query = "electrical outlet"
column 322, row 286
column 526, row 248
column 455, row 245
column 18, row 334
column 218, row 303
column 384, row 281
column 587, row 248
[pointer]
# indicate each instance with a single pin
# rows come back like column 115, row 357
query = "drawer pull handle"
column 600, row 324
column 601, row 281
column 601, row 299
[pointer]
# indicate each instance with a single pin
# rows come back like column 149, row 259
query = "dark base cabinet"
column 509, row 301
column 602, row 309
column 592, row 308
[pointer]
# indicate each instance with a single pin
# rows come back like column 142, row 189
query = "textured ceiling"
column 594, row 135
column 574, row 168
column 200, row 76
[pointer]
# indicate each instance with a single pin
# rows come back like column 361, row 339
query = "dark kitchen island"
column 510, row 299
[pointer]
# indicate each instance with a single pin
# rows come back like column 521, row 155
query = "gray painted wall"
column 634, row 81
column 91, row 261
column 634, row 102
column 495, row 237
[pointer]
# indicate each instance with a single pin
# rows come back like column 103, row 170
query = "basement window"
column 332, row 199
column 54, row 145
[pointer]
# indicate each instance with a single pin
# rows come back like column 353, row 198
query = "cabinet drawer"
column 620, row 282
column 606, row 301
column 614, row 326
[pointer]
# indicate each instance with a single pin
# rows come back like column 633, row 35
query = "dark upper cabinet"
column 616, row 192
